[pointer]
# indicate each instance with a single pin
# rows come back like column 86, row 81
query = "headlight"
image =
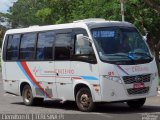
column 113, row 78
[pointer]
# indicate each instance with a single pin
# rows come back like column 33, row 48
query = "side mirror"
column 83, row 45
column 84, row 49
column 82, row 40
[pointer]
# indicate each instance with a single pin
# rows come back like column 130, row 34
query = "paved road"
column 117, row 111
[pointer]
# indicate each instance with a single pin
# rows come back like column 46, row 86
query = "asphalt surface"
column 10, row 104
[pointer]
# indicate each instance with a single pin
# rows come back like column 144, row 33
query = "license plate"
column 138, row 85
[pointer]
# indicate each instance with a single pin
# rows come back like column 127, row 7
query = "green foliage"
column 2, row 32
column 44, row 12
column 144, row 17
column 144, row 14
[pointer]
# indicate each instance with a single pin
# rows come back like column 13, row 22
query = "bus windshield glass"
column 120, row 44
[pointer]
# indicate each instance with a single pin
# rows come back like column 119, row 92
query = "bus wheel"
column 84, row 100
column 136, row 103
column 28, row 98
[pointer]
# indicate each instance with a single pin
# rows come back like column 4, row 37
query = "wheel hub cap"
column 85, row 100
column 27, row 96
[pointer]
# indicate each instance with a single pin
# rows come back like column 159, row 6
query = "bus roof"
column 90, row 23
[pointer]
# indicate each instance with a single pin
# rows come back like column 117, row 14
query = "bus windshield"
column 120, row 44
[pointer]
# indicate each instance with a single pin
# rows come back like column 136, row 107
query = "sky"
column 5, row 4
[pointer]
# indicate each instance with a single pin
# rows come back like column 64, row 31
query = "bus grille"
column 136, row 79
column 134, row 91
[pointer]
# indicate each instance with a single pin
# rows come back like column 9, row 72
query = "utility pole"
column 122, row 9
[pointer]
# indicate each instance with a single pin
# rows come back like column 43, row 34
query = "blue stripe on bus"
column 22, row 69
column 88, row 78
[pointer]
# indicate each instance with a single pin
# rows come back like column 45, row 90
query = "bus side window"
column 45, row 46
column 63, row 46
column 27, row 46
column 13, row 47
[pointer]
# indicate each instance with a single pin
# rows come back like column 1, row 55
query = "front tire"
column 28, row 98
column 84, row 100
column 136, row 104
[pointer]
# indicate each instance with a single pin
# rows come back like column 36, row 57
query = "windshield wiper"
column 123, row 55
column 141, row 53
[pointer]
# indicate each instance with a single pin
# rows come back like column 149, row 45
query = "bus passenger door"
column 62, row 64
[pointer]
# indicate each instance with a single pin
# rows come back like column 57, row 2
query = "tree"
column 146, row 18
column 144, row 14
column 43, row 12
column 2, row 32
column 2, row 27
column 154, row 4
column 22, row 13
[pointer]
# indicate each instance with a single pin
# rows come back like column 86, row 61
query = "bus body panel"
column 43, row 73
column 13, row 76
column 118, row 82
column 58, row 79
column 113, row 91
column 64, row 80
column 88, row 74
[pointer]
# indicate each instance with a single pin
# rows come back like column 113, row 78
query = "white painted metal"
column 72, row 73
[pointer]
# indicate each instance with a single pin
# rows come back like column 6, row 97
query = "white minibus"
column 88, row 61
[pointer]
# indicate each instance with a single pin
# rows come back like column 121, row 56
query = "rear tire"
column 84, row 100
column 136, row 104
column 28, row 98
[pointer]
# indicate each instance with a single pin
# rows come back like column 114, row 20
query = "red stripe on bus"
column 25, row 67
